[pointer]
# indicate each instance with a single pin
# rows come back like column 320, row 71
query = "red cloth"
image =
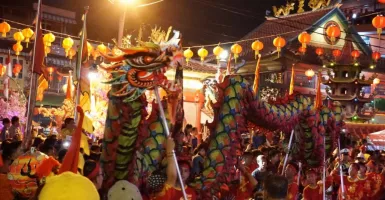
column 170, row 192
column 46, row 166
column 312, row 192
column 354, row 189
column 292, row 191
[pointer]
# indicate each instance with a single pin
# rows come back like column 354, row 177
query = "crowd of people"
column 261, row 173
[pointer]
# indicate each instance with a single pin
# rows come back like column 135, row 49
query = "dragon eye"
column 148, row 59
column 143, row 60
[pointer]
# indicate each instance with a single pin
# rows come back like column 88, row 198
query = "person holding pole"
column 172, row 188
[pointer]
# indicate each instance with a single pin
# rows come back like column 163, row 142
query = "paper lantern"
column 379, row 23
column 3, row 69
column 279, row 42
column 202, row 52
column 333, row 32
column 217, row 51
column 48, row 39
column 47, row 50
column 50, row 70
column 27, row 33
column 71, row 53
column 17, row 69
column 17, row 48
column 304, row 38
column 59, row 78
column 376, row 81
column 376, row 56
column 355, row 54
column 236, row 49
column 18, row 36
column 309, row 73
column 302, row 50
column 102, row 48
column 67, row 44
column 90, row 49
column 257, row 46
column 188, row 54
column 336, row 53
column 4, row 28
column 319, row 51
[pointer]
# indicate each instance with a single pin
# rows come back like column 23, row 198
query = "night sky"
column 200, row 21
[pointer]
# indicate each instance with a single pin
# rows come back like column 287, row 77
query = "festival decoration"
column 67, row 45
column 376, row 81
column 47, row 50
column 71, row 53
column 336, row 53
column 188, row 54
column 27, row 33
column 102, row 48
column 50, row 71
column 4, row 28
column 302, row 50
column 355, row 54
column 90, row 49
column 17, row 48
column 17, row 69
column 202, row 52
column 304, row 38
column 257, row 46
column 379, row 23
column 15, row 106
column 376, row 56
column 333, row 32
column 381, row 1
column 319, row 51
column 18, row 36
column 3, row 69
column 309, row 73
column 236, row 49
column 279, row 42
column 95, row 54
column 48, row 39
column 217, row 52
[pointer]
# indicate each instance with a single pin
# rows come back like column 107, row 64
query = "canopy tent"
column 377, row 138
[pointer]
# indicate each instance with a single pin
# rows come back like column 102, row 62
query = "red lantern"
column 2, row 69
column 355, row 54
column 381, row 1
column 50, row 70
column 333, row 32
column 319, row 51
column 279, row 42
column 302, row 50
column 379, row 23
column 336, row 53
column 59, row 78
column 376, row 56
column 304, row 38
column 17, row 69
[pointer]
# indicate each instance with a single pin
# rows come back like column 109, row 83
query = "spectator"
column 14, row 130
column 68, row 128
column 93, row 172
column 5, row 130
column 275, row 187
column 261, row 172
column 200, row 153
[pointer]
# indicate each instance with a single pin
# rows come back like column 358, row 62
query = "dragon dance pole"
column 341, row 174
column 165, row 124
column 288, row 151
column 324, row 172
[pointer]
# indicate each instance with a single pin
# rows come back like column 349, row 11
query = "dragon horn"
column 111, row 58
column 112, row 67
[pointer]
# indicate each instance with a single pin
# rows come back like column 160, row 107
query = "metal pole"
column 165, row 124
column 341, row 173
column 324, row 172
column 33, row 84
column 288, row 152
column 121, row 25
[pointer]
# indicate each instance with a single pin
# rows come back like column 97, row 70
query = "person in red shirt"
column 172, row 188
column 378, row 180
column 367, row 181
column 312, row 191
column 290, row 173
column 247, row 181
column 353, row 186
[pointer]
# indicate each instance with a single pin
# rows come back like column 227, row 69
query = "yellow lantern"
column 217, row 51
column 188, row 54
column 4, row 28
column 48, row 39
column 47, row 50
column 67, row 44
column 257, row 46
column 17, row 48
column 28, row 33
column 202, row 52
column 102, row 48
column 90, row 49
column 18, row 36
column 236, row 49
column 71, row 53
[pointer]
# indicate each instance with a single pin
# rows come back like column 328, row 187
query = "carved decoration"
column 318, row 4
column 283, row 10
column 301, row 4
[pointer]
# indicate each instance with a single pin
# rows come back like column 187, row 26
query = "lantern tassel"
column 379, row 32
column 304, row 45
column 256, row 53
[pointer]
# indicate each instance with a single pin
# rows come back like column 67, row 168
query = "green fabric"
column 51, row 100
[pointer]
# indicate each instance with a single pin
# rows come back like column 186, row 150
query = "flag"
column 8, row 74
column 69, row 88
column 82, row 69
column 291, row 89
column 318, row 96
column 42, row 85
column 256, row 75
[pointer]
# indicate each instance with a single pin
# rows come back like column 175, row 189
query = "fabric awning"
column 377, row 138
column 361, row 130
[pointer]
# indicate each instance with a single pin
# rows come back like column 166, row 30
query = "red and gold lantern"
column 279, row 42
column 336, row 53
column 355, row 54
column 304, row 38
column 302, row 50
column 17, row 69
column 333, row 32
column 17, row 48
column 319, row 51
column 257, row 46
column 4, row 28
column 379, row 23
column 376, row 56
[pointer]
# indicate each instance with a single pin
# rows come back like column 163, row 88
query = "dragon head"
column 142, row 67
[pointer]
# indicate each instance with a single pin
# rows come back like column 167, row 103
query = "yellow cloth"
column 83, row 143
column 68, row 186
